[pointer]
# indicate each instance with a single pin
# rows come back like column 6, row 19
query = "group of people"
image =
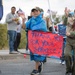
column 14, row 28
column 35, row 20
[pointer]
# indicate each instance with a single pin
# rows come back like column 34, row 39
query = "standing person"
column 62, row 31
column 33, row 24
column 70, row 43
column 12, row 22
column 18, row 37
column 27, row 50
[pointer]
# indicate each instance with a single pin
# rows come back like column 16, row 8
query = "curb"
column 13, row 56
column 4, row 55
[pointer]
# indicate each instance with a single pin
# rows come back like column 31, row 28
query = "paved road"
column 23, row 66
column 16, row 64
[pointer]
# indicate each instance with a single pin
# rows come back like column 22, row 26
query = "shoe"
column 28, row 51
column 13, row 52
column 40, row 68
column 68, row 74
column 63, row 63
column 34, row 72
column 19, row 52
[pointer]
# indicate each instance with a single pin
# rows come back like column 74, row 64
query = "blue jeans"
column 12, row 37
column 27, row 40
column 64, row 43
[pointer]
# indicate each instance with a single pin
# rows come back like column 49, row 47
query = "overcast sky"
column 27, row 5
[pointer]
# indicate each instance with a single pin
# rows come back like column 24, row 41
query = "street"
column 23, row 66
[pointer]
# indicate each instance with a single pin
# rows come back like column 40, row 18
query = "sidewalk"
column 4, row 54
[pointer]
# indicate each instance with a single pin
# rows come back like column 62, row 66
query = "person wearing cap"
column 70, row 44
column 33, row 24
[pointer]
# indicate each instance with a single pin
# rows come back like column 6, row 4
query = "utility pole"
column 49, row 9
column 50, row 14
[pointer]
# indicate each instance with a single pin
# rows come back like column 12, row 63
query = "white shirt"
column 19, row 27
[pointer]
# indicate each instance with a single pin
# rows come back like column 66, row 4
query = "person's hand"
column 66, row 11
column 67, row 34
column 15, row 19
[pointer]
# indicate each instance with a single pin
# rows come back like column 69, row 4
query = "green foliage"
column 23, row 40
column 3, row 36
column 4, row 41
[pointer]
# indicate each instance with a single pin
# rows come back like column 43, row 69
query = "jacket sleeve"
column 8, row 19
column 65, row 20
column 72, row 34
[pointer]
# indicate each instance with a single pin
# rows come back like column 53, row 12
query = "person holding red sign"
column 35, row 23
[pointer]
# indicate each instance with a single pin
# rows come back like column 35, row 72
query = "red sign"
column 45, row 43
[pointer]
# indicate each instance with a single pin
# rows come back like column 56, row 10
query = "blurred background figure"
column 18, row 37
